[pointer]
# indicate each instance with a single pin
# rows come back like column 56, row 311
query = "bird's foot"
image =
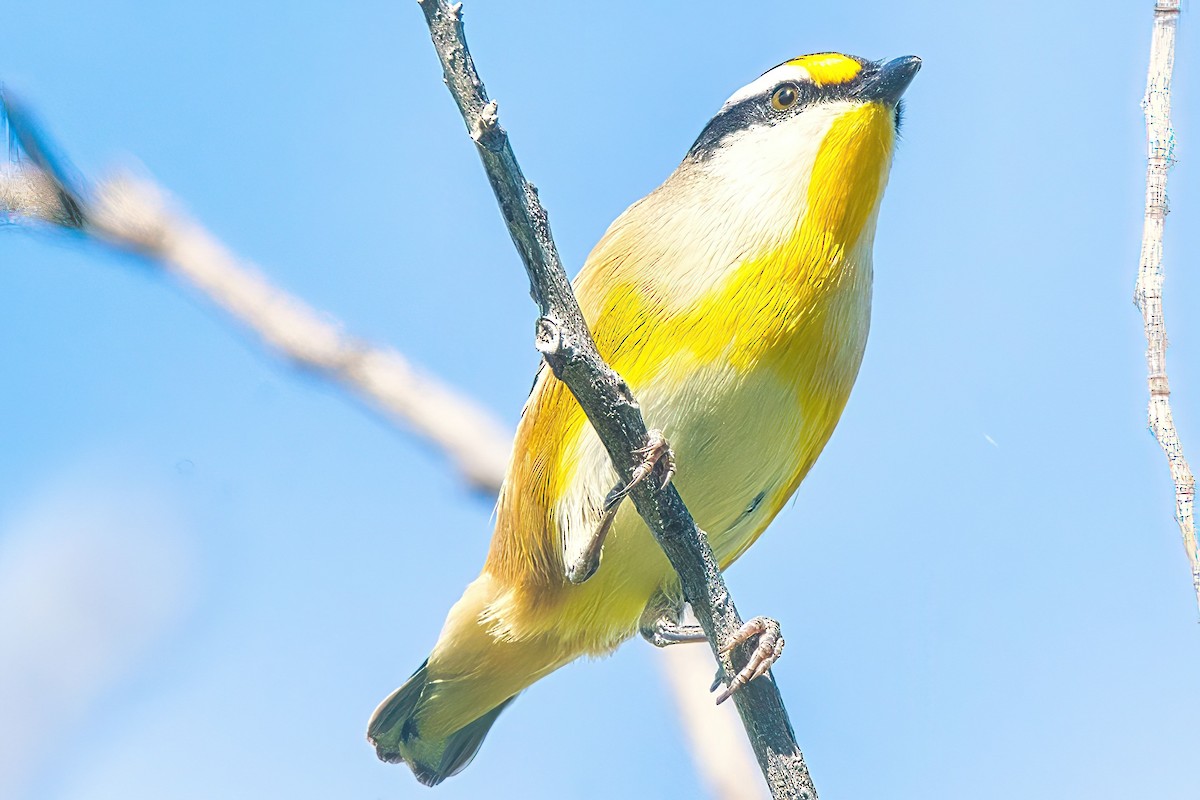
column 656, row 456
column 664, row 632
column 766, row 652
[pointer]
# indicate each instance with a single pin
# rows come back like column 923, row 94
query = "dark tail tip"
column 394, row 732
column 392, row 723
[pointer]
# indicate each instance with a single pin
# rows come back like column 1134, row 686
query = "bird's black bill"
column 890, row 80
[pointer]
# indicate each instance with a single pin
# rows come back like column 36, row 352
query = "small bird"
column 734, row 300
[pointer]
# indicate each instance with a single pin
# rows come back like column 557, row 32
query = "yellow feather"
column 828, row 68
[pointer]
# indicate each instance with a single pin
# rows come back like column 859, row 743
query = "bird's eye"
column 785, row 97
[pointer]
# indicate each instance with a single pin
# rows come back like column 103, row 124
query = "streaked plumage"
column 735, row 300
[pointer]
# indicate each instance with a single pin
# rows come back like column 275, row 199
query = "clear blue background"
column 965, row 619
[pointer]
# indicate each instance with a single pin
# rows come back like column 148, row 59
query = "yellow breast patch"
column 849, row 173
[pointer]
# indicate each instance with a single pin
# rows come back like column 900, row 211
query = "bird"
column 735, row 302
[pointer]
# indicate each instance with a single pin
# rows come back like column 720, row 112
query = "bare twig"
column 132, row 214
column 1148, row 292
column 566, row 344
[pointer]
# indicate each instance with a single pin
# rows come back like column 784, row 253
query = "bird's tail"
column 397, row 738
column 436, row 721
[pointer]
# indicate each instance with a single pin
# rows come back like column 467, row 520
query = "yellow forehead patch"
column 828, row 68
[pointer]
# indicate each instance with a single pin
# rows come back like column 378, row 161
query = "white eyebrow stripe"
column 781, row 73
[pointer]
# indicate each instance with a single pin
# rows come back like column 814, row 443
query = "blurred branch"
column 566, row 344
column 132, row 214
column 29, row 193
column 1160, row 138
column 47, row 188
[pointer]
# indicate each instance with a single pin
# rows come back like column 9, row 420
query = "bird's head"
column 812, row 137
column 801, row 99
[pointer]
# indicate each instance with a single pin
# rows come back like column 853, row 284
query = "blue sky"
column 981, row 581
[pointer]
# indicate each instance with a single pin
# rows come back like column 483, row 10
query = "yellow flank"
column 828, row 68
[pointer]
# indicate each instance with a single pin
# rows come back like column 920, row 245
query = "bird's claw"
column 718, row 679
column 656, row 455
column 766, row 652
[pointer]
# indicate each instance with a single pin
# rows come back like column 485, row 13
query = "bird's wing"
column 559, row 472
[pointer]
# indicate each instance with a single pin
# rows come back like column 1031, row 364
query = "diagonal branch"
column 1148, row 291
column 567, row 346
